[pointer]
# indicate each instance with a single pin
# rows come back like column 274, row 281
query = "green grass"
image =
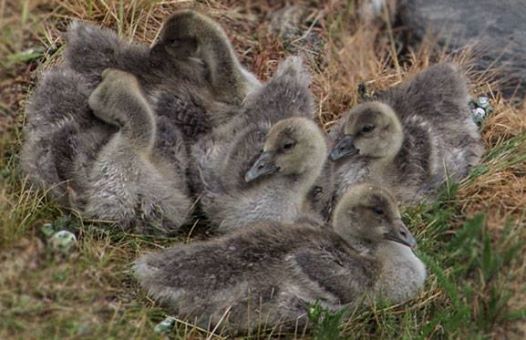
column 476, row 282
column 466, row 294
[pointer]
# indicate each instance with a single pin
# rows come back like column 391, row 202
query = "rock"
column 496, row 30
column 166, row 325
column 63, row 241
column 480, row 109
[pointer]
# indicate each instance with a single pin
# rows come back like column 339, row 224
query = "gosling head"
column 372, row 130
column 293, row 146
column 180, row 33
column 189, row 35
column 370, row 214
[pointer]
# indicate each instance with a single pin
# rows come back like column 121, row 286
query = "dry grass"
column 91, row 292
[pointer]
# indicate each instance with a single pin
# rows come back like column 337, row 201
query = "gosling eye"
column 288, row 145
column 378, row 211
column 368, row 128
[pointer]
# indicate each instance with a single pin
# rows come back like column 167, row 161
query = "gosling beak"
column 399, row 233
column 264, row 165
column 344, row 147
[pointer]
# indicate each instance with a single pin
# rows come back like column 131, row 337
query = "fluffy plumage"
column 105, row 164
column 189, row 72
column 269, row 274
column 130, row 170
column 61, row 135
column 233, row 194
column 410, row 138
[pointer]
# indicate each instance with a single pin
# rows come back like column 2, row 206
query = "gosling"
column 275, row 185
column 264, row 162
column 129, row 169
column 190, row 71
column 269, row 274
column 410, row 139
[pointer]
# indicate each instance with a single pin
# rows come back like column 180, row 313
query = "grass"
column 472, row 238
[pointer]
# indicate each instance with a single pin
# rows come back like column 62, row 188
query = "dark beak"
column 399, row 233
column 264, row 165
column 344, row 147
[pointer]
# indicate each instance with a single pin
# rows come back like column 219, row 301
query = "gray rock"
column 496, row 29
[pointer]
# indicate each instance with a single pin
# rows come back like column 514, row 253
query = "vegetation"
column 472, row 239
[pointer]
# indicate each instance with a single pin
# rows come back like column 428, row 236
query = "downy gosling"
column 129, row 170
column 190, row 72
column 269, row 274
column 411, row 138
column 263, row 163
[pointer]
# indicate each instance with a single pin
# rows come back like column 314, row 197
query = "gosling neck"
column 382, row 169
column 294, row 188
column 307, row 179
column 363, row 246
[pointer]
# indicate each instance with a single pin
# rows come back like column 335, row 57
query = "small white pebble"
column 483, row 101
column 478, row 114
column 63, row 241
column 165, row 326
